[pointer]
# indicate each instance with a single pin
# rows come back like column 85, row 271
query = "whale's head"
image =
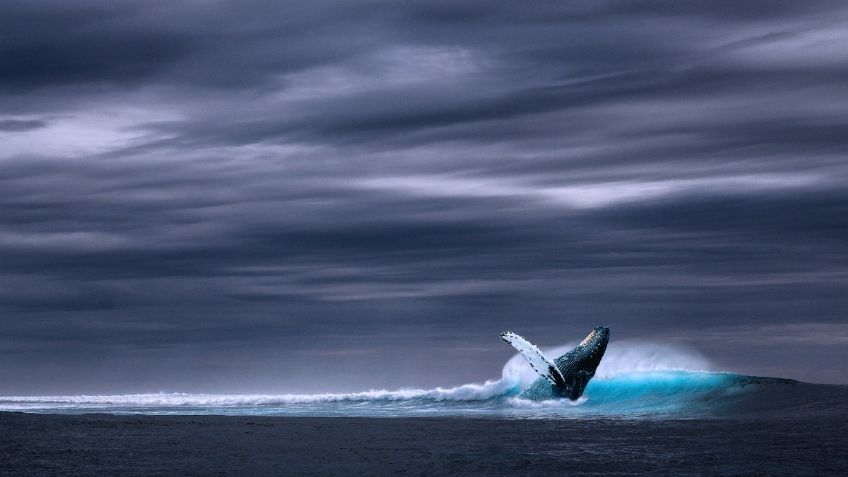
column 590, row 351
column 597, row 339
column 579, row 365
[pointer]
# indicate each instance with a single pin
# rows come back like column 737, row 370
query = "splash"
column 623, row 358
column 634, row 379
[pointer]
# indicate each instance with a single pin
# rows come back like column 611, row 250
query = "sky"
column 260, row 196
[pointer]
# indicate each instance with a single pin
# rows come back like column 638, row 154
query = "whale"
column 567, row 375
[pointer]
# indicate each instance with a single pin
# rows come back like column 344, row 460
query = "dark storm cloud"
column 212, row 195
column 57, row 43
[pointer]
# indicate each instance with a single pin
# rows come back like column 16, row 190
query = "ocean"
column 635, row 380
column 650, row 410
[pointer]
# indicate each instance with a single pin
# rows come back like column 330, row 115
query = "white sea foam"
column 466, row 392
column 623, row 359
column 546, row 404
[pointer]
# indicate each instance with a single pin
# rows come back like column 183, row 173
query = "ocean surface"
column 635, row 381
column 650, row 410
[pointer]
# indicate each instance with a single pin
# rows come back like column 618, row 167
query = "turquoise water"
column 637, row 394
column 635, row 380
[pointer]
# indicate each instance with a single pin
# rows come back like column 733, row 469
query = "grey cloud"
column 21, row 125
column 255, row 188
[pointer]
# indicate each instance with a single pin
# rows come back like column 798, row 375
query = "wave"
column 626, row 357
column 466, row 392
column 640, row 393
column 635, row 379
column 515, row 376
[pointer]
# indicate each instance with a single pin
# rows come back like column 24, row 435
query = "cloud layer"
column 224, row 196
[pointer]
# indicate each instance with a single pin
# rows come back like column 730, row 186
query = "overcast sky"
column 266, row 197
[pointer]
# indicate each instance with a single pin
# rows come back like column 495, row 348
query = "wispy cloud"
column 206, row 178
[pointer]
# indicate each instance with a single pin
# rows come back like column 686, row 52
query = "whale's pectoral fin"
column 538, row 361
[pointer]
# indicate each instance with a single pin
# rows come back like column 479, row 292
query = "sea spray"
column 636, row 379
column 622, row 357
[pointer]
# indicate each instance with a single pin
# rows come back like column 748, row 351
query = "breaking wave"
column 466, row 392
column 634, row 379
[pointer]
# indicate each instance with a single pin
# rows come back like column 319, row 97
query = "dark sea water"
column 784, row 444
column 637, row 417
column 641, row 423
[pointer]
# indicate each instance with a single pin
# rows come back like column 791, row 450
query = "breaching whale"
column 566, row 376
